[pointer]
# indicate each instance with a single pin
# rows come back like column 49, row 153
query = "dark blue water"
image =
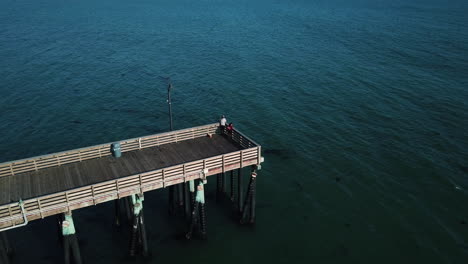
column 361, row 106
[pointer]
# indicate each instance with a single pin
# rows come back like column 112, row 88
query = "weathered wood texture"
column 146, row 164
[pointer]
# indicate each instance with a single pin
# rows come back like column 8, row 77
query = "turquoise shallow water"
column 361, row 107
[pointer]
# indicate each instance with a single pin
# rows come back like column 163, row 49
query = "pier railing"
column 102, row 150
column 40, row 207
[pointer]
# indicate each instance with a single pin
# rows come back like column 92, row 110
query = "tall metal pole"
column 169, row 87
column 171, row 188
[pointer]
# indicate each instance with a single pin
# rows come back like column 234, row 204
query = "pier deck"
column 59, row 182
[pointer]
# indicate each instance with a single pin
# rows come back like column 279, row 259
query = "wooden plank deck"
column 58, row 182
column 55, row 179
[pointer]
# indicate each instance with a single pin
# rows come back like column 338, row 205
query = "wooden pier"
column 58, row 183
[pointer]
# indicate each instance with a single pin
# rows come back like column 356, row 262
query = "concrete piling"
column 248, row 210
column 71, row 249
column 198, row 217
column 138, row 240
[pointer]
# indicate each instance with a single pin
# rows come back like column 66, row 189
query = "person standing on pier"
column 222, row 123
column 230, row 128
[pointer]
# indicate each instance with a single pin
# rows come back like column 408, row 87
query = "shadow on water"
column 284, row 154
column 463, row 168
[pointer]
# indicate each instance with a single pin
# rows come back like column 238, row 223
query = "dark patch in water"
column 464, row 169
column 463, row 222
column 337, row 179
column 77, row 122
column 299, row 186
column 348, row 225
column 280, row 153
column 122, row 74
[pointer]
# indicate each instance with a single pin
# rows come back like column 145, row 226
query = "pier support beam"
column 70, row 241
column 223, row 182
column 219, row 186
column 187, row 202
column 180, row 194
column 138, row 240
column 240, row 194
column 248, row 210
column 5, row 250
column 232, row 186
column 198, row 213
column 128, row 208
column 171, row 199
column 192, row 194
column 6, row 243
column 118, row 213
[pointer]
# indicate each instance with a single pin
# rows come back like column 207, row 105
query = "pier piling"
column 223, row 183
column 219, row 184
column 4, row 249
column 198, row 213
column 180, row 194
column 187, row 202
column 192, row 194
column 117, row 213
column 70, row 241
column 201, row 200
column 171, row 200
column 232, row 186
column 6, row 243
column 239, row 191
column 248, row 210
column 138, row 238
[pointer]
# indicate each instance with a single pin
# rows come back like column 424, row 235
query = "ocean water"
column 361, row 107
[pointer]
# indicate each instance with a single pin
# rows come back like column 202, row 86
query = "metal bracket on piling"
column 25, row 219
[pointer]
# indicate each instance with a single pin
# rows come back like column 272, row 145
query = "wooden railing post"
column 92, row 193
column 117, row 188
column 40, row 208
column 141, row 183
column 259, row 149
column 241, row 159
